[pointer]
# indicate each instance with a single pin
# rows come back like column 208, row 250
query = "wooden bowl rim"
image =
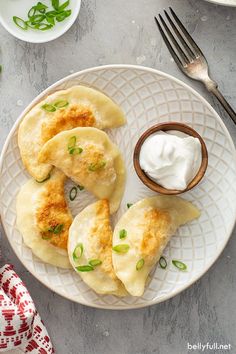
column 165, row 126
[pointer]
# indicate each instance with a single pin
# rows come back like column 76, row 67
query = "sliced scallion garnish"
column 129, row 205
column 95, row 262
column 163, row 262
column 85, row 268
column 78, row 251
column 97, row 166
column 122, row 234
column 44, row 180
column 48, row 107
column 56, row 229
column 140, row 264
column 73, row 193
column 38, row 14
column 61, row 104
column 72, row 142
column 122, row 248
column 178, row 264
column 81, row 188
column 76, row 151
column 20, row 23
column 46, row 236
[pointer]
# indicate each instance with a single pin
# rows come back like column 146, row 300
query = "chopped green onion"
column 41, row 7
column 162, row 263
column 76, row 151
column 55, row 4
column 78, row 251
column 48, row 107
column 56, row 229
column 72, row 142
column 46, row 237
column 50, row 20
column 95, row 262
column 37, row 19
column 122, row 234
column 122, row 248
column 97, row 166
column 32, row 12
column 63, row 15
column 179, row 265
column 73, row 193
column 61, row 104
column 129, row 205
column 140, row 264
column 85, row 268
column 20, row 23
column 43, row 26
column 81, row 188
column 63, row 6
column 44, row 180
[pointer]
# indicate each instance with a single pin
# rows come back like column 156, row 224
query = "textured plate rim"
column 132, row 67
column 219, row 2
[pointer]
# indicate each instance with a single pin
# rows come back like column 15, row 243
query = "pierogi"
column 90, row 249
column 43, row 219
column 141, row 235
column 78, row 106
column 90, row 159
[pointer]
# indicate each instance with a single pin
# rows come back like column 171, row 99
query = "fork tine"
column 180, row 37
column 187, row 35
column 176, row 44
column 169, row 46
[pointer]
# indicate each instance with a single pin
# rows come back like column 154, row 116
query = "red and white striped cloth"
column 20, row 324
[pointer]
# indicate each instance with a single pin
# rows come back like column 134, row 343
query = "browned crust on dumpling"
column 66, row 119
column 53, row 212
column 102, row 231
column 156, row 227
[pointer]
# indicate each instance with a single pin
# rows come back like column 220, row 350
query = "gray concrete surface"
column 124, row 32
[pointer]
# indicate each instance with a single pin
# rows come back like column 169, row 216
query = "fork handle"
column 213, row 88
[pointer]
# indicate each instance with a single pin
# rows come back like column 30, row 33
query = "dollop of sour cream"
column 171, row 159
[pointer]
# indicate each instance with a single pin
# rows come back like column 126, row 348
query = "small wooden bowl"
column 165, row 127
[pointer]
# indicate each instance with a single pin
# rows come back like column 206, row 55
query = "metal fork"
column 188, row 56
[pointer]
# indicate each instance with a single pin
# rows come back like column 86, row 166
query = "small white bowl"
column 20, row 8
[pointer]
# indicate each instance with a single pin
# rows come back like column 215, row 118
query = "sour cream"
column 171, row 159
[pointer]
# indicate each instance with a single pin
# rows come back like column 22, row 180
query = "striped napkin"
column 21, row 328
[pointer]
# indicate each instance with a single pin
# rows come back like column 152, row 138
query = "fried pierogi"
column 78, row 106
column 90, row 159
column 141, row 235
column 43, row 219
column 90, row 249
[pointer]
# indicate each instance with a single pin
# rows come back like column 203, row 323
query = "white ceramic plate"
column 147, row 96
column 20, row 8
column 223, row 2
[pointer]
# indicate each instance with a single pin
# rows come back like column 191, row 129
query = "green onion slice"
column 76, row 151
column 129, row 205
column 63, row 15
column 32, row 11
column 95, row 262
column 140, row 264
column 163, row 263
column 55, row 4
column 85, row 268
column 46, row 237
column 78, row 251
column 63, row 6
column 72, row 142
column 48, row 107
column 56, row 229
column 44, row 180
column 20, row 23
column 81, row 188
column 180, row 265
column 122, row 248
column 122, row 234
column 61, row 104
column 73, row 193
column 43, row 26
column 37, row 19
column 97, row 166
column 50, row 20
